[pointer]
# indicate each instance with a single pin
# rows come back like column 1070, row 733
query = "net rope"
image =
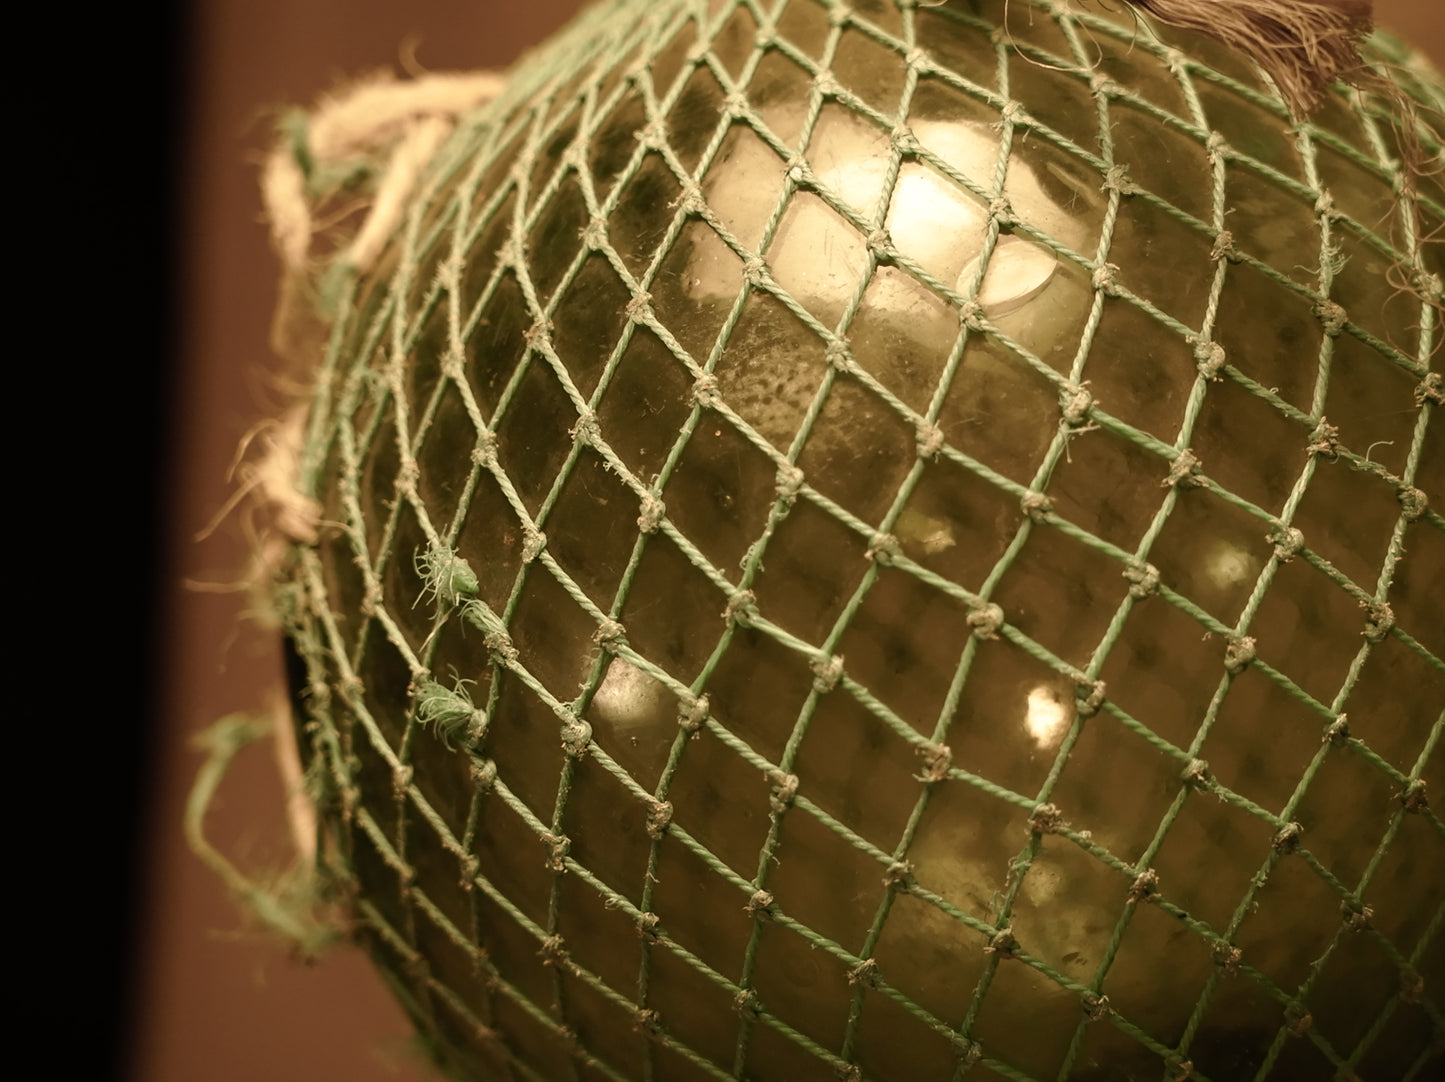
column 391, row 580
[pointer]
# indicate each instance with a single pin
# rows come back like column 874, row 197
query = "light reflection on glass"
column 628, row 698
column 1047, row 716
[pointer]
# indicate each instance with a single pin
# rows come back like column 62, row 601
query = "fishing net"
column 890, row 542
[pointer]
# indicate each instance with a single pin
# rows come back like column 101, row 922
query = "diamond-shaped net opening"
column 883, row 542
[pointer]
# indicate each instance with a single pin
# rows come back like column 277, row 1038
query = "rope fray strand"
column 275, row 513
column 292, row 903
column 381, row 124
column 1303, row 45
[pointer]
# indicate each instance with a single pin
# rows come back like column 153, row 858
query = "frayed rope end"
column 291, row 905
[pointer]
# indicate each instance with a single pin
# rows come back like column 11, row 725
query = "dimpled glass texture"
column 866, row 543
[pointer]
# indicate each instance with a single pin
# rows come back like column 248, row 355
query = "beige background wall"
column 215, row 1004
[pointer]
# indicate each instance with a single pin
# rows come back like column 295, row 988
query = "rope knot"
column 1338, row 732
column 1103, row 87
column 653, row 135
column 1196, row 774
column 557, row 846
column 691, row 200
column 401, row 781
column 485, row 452
column 1331, row 316
column 653, row 510
column 576, row 736
column 407, row 475
column 742, row 608
column 1287, row 541
column 937, row 760
column 789, row 482
column 1075, row 401
column 1145, row 884
column 1412, row 502
column 864, row 973
column 1431, row 389
column 826, row 84
column 898, row 874
column 1089, row 695
column 1225, row 249
column 883, row 549
column 1227, row 956
column 659, row 818
column 970, row 314
column 1413, row 799
column 1238, row 653
column 639, row 308
column 1011, row 113
column 784, row 789
column 554, row 952
column 538, row 334
column 705, row 391
column 747, row 1004
column 1184, row 472
column 904, row 141
column 985, row 620
column 1117, row 180
column 647, row 926
column 1210, row 358
column 1096, row 1007
column 1286, row 839
column 1046, row 819
column 1379, row 619
column 1324, row 440
column 1356, row 914
column 690, row 719
column 1411, row 985
column 1143, row 579
column 586, row 431
column 1001, row 212
column 965, row 1051
column 1179, row 1068
column 594, row 234
column 928, row 438
column 500, row 645
column 827, row 671
column 533, row 542
column 1036, row 505
column 1106, row 279
column 471, row 868
column 1003, row 943
column 484, row 775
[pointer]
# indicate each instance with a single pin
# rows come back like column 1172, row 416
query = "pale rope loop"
column 407, row 162
column 399, row 125
column 377, row 112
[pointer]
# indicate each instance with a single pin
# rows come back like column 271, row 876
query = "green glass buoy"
column 891, row 542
